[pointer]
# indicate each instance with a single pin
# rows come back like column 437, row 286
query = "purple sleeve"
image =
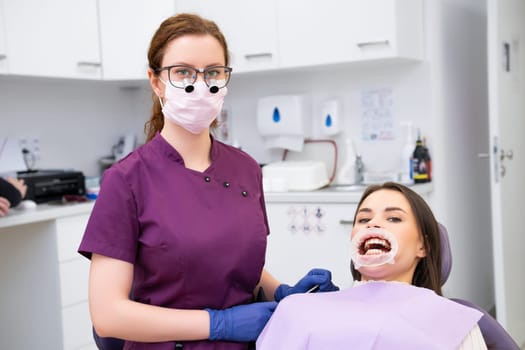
column 112, row 229
column 10, row 192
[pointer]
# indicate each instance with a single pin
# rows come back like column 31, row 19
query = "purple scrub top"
column 196, row 240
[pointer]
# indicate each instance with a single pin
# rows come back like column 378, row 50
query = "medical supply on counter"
column 405, row 164
column 359, row 169
column 346, row 175
column 295, row 176
column 421, row 162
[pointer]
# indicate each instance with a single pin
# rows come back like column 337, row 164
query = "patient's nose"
column 373, row 224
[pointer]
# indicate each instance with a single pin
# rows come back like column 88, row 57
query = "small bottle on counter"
column 421, row 162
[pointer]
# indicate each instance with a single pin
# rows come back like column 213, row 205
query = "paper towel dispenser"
column 281, row 120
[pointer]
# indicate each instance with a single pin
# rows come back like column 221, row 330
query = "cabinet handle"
column 89, row 64
column 346, row 222
column 252, row 56
column 3, row 57
column 373, row 43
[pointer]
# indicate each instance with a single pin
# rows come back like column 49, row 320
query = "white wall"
column 461, row 199
column 410, row 91
column 77, row 122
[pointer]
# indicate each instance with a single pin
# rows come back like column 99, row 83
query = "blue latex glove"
column 320, row 277
column 241, row 323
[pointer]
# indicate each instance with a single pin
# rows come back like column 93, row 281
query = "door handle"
column 509, row 155
column 346, row 222
column 502, row 155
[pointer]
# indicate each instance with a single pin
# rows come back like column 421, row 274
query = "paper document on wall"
column 377, row 117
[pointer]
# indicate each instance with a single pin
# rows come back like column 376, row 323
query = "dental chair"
column 496, row 337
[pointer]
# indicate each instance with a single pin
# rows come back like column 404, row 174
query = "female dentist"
column 180, row 224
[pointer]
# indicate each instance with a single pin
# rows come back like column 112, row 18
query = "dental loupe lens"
column 214, row 89
column 189, row 88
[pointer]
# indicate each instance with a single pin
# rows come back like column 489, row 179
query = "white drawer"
column 74, row 275
column 69, row 232
column 91, row 346
column 77, row 326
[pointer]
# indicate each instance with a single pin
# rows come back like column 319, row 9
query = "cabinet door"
column 250, row 29
column 337, row 31
column 74, row 275
column 126, row 29
column 388, row 29
column 53, row 38
column 3, row 48
column 306, row 236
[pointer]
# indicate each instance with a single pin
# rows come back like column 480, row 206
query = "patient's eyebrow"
column 394, row 209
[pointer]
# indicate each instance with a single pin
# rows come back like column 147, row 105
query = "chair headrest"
column 446, row 254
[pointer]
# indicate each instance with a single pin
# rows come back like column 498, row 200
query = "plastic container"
column 346, row 174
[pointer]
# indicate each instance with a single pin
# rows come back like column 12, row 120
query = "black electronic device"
column 51, row 185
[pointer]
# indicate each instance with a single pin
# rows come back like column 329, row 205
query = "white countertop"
column 332, row 194
column 44, row 212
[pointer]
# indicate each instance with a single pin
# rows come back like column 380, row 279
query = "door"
column 506, row 71
column 3, row 49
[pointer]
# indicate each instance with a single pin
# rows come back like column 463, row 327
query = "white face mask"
column 194, row 111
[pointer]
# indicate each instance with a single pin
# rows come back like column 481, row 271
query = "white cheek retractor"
column 373, row 247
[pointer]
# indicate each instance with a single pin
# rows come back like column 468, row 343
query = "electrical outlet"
column 32, row 144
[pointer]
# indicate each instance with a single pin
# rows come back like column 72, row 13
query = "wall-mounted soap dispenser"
column 331, row 117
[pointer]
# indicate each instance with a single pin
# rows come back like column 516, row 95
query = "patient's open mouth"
column 374, row 246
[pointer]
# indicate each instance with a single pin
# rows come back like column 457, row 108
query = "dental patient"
column 396, row 300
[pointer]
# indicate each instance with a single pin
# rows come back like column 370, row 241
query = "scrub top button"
column 207, row 178
column 226, row 184
column 244, row 193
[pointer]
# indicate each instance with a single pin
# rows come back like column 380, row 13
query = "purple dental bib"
column 373, row 315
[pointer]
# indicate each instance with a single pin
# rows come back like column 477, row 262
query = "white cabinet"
column 287, row 34
column 3, row 47
column 126, row 29
column 52, row 38
column 351, row 31
column 309, row 235
column 44, row 294
column 84, row 39
column 73, row 275
column 250, row 28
